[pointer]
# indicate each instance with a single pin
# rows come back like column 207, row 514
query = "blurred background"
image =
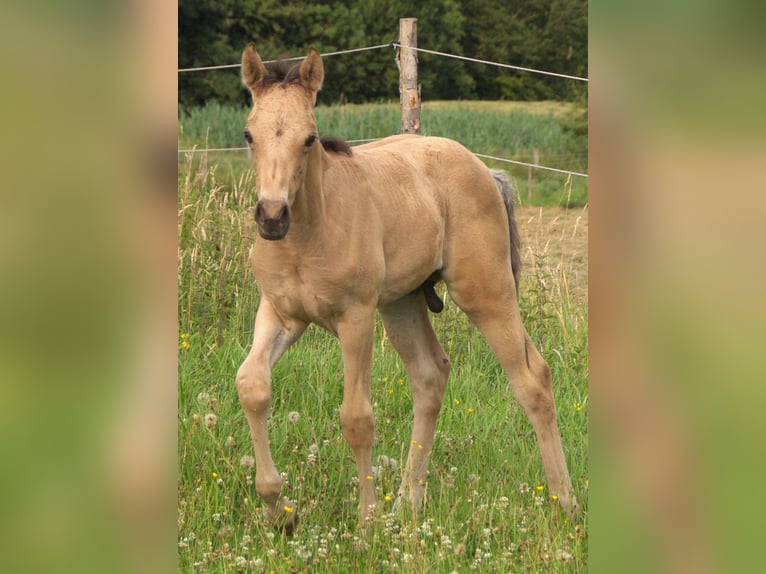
column 88, row 302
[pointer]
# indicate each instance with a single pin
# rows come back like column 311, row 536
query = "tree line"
column 549, row 35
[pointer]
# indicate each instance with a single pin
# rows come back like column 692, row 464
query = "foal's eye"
column 248, row 136
column 310, row 140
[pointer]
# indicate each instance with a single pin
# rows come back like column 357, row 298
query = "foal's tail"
column 506, row 190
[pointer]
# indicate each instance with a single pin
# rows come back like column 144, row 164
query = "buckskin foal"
column 345, row 232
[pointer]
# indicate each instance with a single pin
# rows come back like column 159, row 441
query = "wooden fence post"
column 409, row 89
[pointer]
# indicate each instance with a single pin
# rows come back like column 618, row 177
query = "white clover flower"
column 211, row 420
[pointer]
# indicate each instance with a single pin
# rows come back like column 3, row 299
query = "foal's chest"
column 311, row 289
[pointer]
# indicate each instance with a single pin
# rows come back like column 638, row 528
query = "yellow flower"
column 387, row 498
column 185, row 344
column 215, row 475
column 368, row 477
column 288, row 509
column 539, row 488
column 470, row 410
column 184, row 335
column 554, row 498
column 401, row 381
column 457, row 401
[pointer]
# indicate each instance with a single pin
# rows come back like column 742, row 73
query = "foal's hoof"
column 284, row 516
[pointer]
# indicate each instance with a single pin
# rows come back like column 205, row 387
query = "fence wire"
column 395, row 44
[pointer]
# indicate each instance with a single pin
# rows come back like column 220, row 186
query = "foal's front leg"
column 355, row 331
column 273, row 334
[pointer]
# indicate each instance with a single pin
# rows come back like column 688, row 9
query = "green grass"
column 479, row 515
column 507, row 129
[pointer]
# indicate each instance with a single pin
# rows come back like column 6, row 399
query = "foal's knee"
column 358, row 424
column 253, row 388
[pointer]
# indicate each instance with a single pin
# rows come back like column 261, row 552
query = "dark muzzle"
column 273, row 219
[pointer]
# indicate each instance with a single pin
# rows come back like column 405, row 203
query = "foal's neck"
column 309, row 207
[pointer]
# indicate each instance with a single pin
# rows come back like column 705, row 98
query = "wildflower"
column 203, row 397
column 216, row 517
column 539, row 488
column 229, row 440
column 288, row 509
column 471, row 410
column 401, row 381
column 554, row 498
column 457, row 401
column 215, row 474
column 293, row 417
column 211, row 420
column 247, row 461
column 387, row 498
column 562, row 555
column 369, row 477
column 185, row 344
column 524, row 488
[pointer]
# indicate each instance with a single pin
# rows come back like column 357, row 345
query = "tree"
column 544, row 34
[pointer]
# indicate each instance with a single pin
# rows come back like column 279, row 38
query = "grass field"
column 487, row 508
column 512, row 130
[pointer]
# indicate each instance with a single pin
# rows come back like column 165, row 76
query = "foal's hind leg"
column 273, row 334
column 489, row 299
column 410, row 332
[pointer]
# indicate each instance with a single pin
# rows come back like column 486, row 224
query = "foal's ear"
column 253, row 70
column 312, row 71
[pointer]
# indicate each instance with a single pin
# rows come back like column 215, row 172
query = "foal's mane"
column 281, row 72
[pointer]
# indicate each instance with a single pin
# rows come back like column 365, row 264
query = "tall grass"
column 512, row 130
column 487, row 509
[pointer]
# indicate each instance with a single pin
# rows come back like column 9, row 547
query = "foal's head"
column 280, row 131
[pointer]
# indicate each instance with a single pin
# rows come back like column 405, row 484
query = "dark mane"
column 281, row 72
column 335, row 145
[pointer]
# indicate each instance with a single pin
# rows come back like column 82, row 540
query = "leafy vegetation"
column 543, row 34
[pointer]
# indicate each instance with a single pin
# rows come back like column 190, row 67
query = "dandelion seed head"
column 247, row 461
column 211, row 420
column 293, row 417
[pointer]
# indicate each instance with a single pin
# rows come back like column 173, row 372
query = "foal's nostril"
column 283, row 214
column 258, row 212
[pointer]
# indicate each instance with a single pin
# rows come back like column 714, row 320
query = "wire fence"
column 395, row 44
